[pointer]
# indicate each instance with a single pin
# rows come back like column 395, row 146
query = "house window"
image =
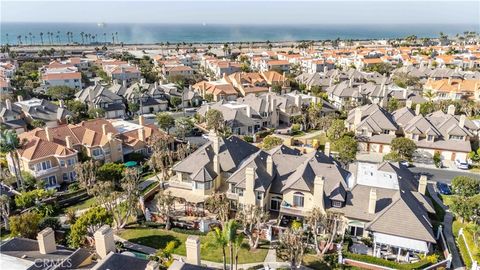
column 337, row 204
column 70, row 162
column 456, row 137
column 298, row 199
column 73, row 176
column 62, row 163
column 415, row 137
column 44, row 165
column 65, row 176
column 259, row 195
column 97, row 152
column 386, row 131
column 239, row 191
column 430, row 138
column 275, row 203
column 50, row 181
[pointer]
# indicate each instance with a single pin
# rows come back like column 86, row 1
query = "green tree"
column 9, row 144
column 404, row 147
column 382, row 68
column 5, row 210
column 38, row 123
column 208, row 97
column 183, row 126
column 346, row 148
column 175, row 101
column 78, row 109
column 292, row 246
column 276, row 88
column 270, row 142
column 467, row 208
column 86, row 225
column 214, row 119
column 96, row 113
column 133, row 107
column 466, row 186
column 392, row 104
column 165, row 121
column 61, row 92
column 336, row 130
column 25, row 225
column 165, row 206
column 28, row 198
column 111, row 172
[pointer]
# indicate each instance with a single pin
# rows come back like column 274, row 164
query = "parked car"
column 443, row 188
column 462, row 165
column 406, row 163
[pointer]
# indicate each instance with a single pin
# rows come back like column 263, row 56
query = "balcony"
column 292, row 210
column 45, row 172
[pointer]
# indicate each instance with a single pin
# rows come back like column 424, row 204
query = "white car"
column 462, row 165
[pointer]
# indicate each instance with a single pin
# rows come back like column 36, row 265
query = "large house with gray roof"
column 370, row 198
column 448, row 134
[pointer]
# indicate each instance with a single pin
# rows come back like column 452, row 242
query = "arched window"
column 298, row 199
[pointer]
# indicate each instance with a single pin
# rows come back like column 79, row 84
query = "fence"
column 475, row 265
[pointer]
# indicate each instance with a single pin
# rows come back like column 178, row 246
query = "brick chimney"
column 46, row 241
column 461, row 122
column 326, row 151
column 318, row 190
column 20, row 98
column 372, row 201
column 270, row 165
column 141, row 120
column 8, row 104
column 69, row 142
column 249, row 193
column 451, row 109
column 141, row 134
column 408, row 104
column 422, row 184
column 193, row 249
column 417, row 109
column 104, row 129
column 48, row 133
column 358, row 117
column 104, row 242
column 248, row 111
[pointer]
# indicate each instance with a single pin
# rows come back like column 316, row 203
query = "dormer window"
column 415, row 137
column 430, row 138
column 385, row 131
column 337, row 204
column 456, row 137
column 298, row 199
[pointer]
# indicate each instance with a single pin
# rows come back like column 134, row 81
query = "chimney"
column 141, row 120
column 326, row 151
column 298, row 100
column 269, row 89
column 422, row 184
column 104, row 129
column 142, row 81
column 193, row 249
column 270, row 165
column 152, row 265
column 325, row 69
column 124, row 83
column 358, row 117
column 48, row 133
column 215, row 141
column 451, row 109
column 69, row 142
column 249, row 193
column 155, row 85
column 61, row 103
column 417, row 109
column 273, row 104
column 141, row 134
column 249, row 111
column 20, row 98
column 408, row 104
column 350, row 83
column 372, row 202
column 449, row 80
column 8, row 104
column 461, row 123
column 318, row 186
column 405, row 94
column 46, row 241
column 104, row 242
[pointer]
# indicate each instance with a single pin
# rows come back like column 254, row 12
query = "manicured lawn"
column 158, row 238
column 475, row 249
column 447, row 199
column 314, row 262
column 83, row 205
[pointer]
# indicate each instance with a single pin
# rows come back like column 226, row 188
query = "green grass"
column 315, row 262
column 158, row 239
column 462, row 245
column 82, row 205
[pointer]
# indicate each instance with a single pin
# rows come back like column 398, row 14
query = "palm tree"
column 116, row 36
column 19, row 40
column 9, row 144
column 82, row 34
column 6, row 35
column 230, row 234
column 113, row 38
column 219, row 240
column 105, row 37
column 41, row 37
column 31, row 40
column 429, row 95
column 5, row 210
column 139, row 91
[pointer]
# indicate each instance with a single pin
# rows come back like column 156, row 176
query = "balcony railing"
column 44, row 172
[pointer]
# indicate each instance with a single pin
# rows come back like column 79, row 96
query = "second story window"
column 430, row 138
column 456, row 137
column 298, row 199
column 97, row 152
column 44, row 165
column 259, row 195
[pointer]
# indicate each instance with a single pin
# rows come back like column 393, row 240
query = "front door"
column 453, row 156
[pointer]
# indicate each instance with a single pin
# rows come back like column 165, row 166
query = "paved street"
column 441, row 175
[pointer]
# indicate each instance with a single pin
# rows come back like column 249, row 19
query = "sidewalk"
column 447, row 229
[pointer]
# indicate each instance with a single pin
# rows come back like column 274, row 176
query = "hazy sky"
column 243, row 12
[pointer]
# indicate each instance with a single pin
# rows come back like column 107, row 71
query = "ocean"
column 190, row 33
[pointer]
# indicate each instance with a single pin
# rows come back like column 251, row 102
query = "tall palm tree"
column 6, row 35
column 116, row 36
column 230, row 234
column 9, row 144
column 429, row 95
column 105, row 37
column 31, row 40
column 41, row 37
column 83, row 37
column 219, row 240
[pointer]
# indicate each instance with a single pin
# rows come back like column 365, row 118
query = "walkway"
column 447, row 229
column 135, row 247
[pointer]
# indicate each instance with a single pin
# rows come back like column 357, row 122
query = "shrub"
column 25, row 225
column 248, row 139
column 74, row 187
column 185, row 231
column 51, row 222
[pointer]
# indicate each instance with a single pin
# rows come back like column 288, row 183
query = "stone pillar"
column 193, row 249
column 46, row 241
column 104, row 242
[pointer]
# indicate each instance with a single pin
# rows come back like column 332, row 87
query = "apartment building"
column 61, row 74
column 453, row 89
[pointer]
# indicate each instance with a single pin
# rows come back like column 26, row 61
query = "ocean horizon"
column 147, row 33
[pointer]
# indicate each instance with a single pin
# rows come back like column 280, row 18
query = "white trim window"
column 298, row 199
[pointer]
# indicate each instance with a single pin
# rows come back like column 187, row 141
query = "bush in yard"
column 270, row 142
column 28, row 198
column 404, row 147
column 466, row 185
column 51, row 222
column 25, row 225
column 87, row 224
column 437, row 159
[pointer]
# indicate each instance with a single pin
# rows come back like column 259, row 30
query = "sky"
column 243, row 12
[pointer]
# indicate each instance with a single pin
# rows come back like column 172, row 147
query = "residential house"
column 43, row 110
column 11, row 116
column 218, row 90
column 149, row 96
column 61, row 74
column 121, row 71
column 275, row 65
column 345, row 94
column 100, row 97
column 453, row 89
column 238, row 117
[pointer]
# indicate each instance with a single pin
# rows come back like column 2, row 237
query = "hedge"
column 463, row 251
column 378, row 261
column 185, row 231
